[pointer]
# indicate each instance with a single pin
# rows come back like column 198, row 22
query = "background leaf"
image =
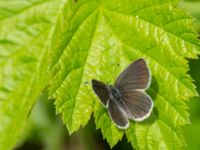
column 24, row 30
column 102, row 34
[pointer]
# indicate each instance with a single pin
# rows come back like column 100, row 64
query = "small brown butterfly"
column 127, row 98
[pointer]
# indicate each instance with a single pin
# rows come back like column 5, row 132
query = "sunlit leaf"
column 95, row 39
column 99, row 35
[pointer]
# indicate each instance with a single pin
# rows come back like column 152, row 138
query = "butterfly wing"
column 101, row 91
column 137, row 104
column 135, row 76
column 117, row 115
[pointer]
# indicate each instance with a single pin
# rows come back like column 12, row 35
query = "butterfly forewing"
column 135, row 76
column 139, row 104
column 101, row 91
column 117, row 115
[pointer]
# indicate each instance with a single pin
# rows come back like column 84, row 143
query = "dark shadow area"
column 95, row 140
column 29, row 145
column 194, row 65
column 153, row 89
column 123, row 145
column 192, row 131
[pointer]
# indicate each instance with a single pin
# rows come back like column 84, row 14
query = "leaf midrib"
column 88, row 54
column 76, row 30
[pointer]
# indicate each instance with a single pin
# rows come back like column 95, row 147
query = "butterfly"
column 126, row 99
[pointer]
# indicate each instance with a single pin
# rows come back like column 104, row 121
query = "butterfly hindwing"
column 139, row 104
column 117, row 115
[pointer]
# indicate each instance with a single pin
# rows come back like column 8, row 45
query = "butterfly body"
column 114, row 93
column 126, row 99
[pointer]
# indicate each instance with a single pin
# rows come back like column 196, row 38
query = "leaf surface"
column 95, row 39
column 24, row 31
column 98, row 39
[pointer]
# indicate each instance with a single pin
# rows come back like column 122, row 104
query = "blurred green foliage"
column 44, row 129
column 192, row 131
column 194, row 8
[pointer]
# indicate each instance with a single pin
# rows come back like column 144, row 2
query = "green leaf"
column 24, row 30
column 95, row 36
column 157, row 135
